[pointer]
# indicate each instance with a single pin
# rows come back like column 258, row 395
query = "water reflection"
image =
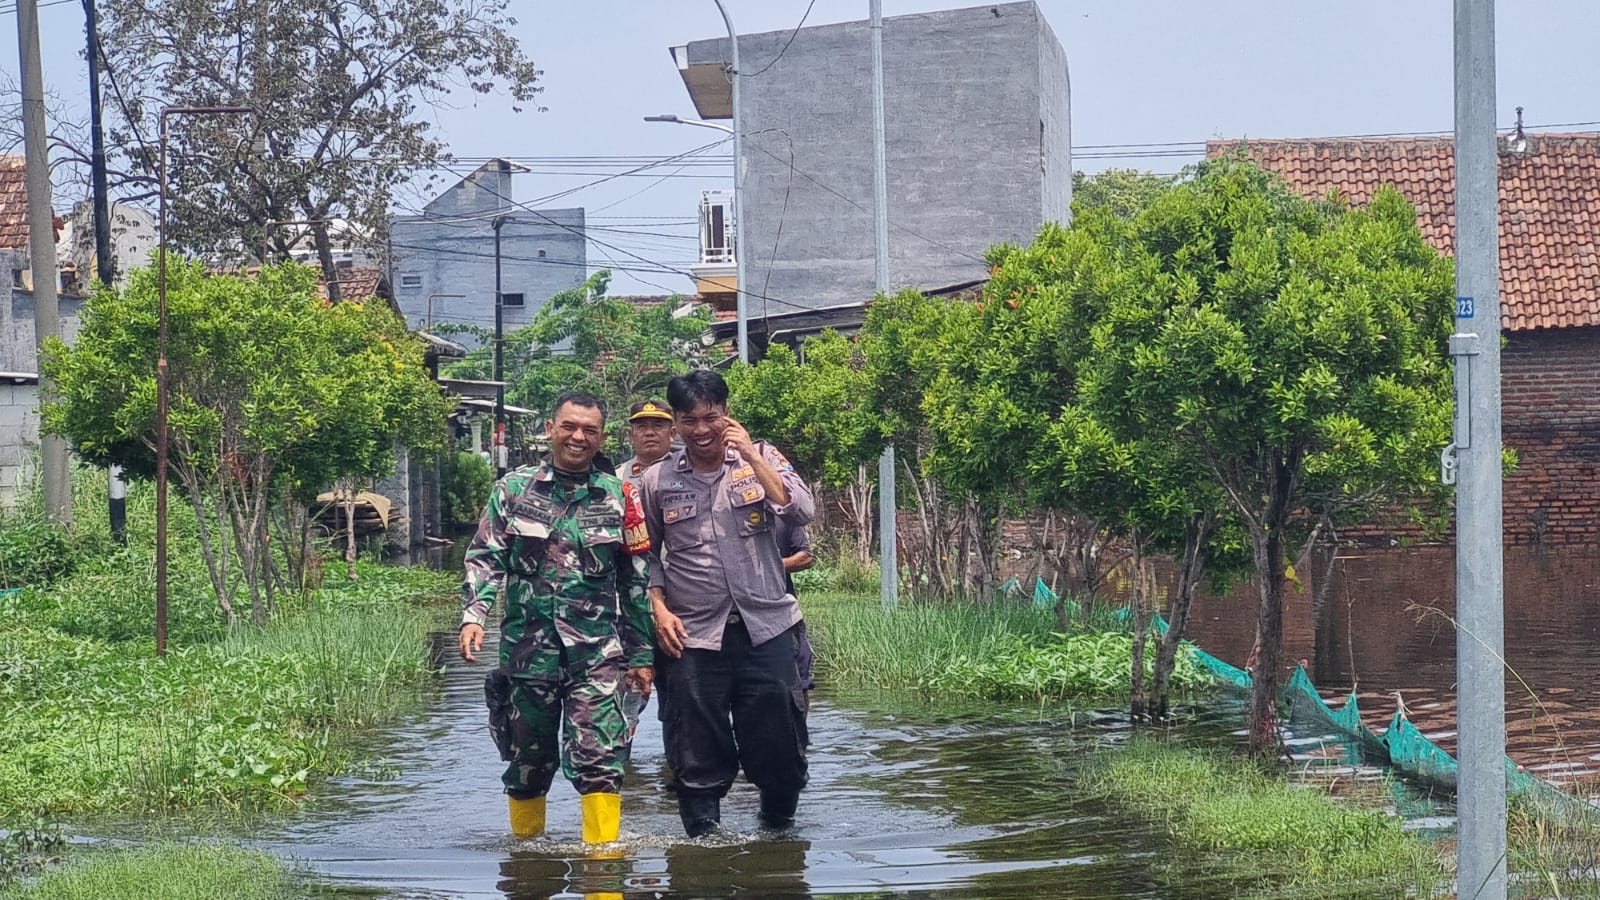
column 1386, row 629
column 953, row 803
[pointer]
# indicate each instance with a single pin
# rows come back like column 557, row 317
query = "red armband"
column 634, row 533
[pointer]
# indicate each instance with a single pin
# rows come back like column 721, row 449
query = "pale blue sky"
column 1142, row 71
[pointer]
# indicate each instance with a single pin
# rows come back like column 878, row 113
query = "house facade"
column 978, row 136
column 443, row 261
column 1549, row 295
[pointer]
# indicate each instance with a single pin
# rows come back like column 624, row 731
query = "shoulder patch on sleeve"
column 634, row 532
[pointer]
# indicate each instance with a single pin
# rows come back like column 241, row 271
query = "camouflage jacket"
column 558, row 556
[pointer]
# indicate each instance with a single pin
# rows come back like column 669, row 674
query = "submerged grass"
column 92, row 721
column 170, row 872
column 1551, row 852
column 88, row 724
column 1003, row 650
column 1256, row 823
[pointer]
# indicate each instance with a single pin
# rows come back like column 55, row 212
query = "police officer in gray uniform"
column 650, row 434
column 725, row 620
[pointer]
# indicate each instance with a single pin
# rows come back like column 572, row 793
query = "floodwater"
column 939, row 805
column 927, row 801
column 1386, row 629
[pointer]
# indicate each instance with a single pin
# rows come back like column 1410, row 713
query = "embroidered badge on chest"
column 749, row 494
column 755, row 517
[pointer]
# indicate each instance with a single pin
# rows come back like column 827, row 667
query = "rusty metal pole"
column 163, row 374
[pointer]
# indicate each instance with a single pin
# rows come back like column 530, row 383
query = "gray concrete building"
column 443, row 260
column 979, row 146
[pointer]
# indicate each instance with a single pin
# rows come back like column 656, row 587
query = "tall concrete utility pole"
column 1480, row 678
column 105, row 265
column 888, row 529
column 500, row 454
column 42, row 250
column 741, row 306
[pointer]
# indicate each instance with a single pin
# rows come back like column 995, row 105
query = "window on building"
column 511, row 300
column 16, row 278
column 411, row 281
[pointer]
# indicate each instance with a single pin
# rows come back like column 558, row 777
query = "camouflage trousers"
column 574, row 720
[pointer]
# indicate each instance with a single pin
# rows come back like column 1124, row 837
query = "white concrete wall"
column 19, row 438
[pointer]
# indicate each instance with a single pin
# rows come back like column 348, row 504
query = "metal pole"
column 740, row 305
column 42, row 250
column 499, row 359
column 888, row 530
column 105, row 263
column 1480, row 677
column 161, row 392
column 162, row 373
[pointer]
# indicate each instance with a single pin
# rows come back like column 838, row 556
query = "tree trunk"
column 350, row 533
column 1266, row 540
column 330, row 272
column 216, row 564
column 1138, row 706
column 1196, row 540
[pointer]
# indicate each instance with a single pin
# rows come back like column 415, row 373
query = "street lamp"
column 738, row 174
column 738, row 212
column 676, row 120
column 162, row 374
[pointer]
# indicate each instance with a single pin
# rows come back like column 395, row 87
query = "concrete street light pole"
column 738, row 194
column 888, row 513
column 57, row 471
column 1480, row 566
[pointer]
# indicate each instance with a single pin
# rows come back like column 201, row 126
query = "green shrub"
column 466, row 480
column 33, row 551
column 1090, row 664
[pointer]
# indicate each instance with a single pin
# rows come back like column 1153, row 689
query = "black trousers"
column 740, row 706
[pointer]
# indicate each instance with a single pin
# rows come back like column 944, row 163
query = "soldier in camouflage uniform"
column 564, row 544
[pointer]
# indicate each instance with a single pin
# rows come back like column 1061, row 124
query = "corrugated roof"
column 1549, row 208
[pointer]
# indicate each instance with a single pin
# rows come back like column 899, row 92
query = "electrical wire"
column 804, row 16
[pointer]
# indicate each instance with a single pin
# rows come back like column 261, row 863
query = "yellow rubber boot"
column 602, row 817
column 527, row 816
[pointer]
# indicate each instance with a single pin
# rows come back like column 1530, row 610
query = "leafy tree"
column 817, row 410
column 1123, row 193
column 1295, row 349
column 1024, row 408
column 275, row 394
column 339, row 89
column 584, row 339
column 908, row 341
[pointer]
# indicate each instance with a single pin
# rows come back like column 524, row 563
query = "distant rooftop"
column 1549, row 208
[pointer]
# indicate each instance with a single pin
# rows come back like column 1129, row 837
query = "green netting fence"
column 1402, row 746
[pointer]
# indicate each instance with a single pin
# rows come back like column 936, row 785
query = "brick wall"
column 1550, row 383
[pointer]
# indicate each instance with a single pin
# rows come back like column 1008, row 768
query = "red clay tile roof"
column 1549, row 208
column 13, row 203
column 357, row 283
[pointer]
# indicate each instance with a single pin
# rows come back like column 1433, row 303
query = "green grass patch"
column 1231, row 813
column 170, row 872
column 88, row 724
column 1002, row 650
